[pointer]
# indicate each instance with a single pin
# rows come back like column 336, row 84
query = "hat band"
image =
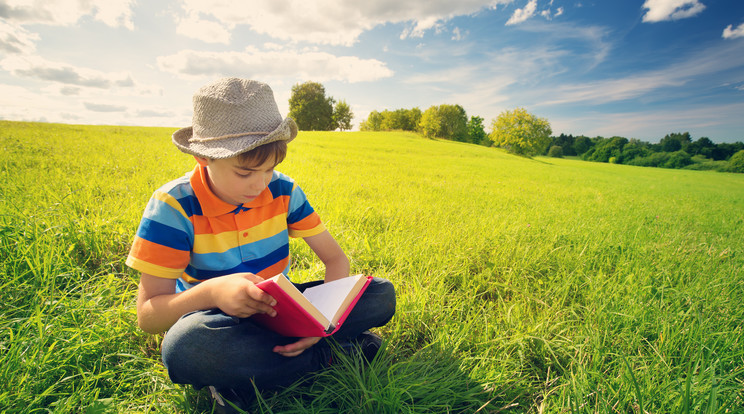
column 242, row 134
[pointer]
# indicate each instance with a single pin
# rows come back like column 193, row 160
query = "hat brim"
column 234, row 145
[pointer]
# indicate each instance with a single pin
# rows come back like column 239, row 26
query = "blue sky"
column 633, row 68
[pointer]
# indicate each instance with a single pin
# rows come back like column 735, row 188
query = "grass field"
column 539, row 286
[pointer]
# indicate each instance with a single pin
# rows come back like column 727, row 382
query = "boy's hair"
column 262, row 153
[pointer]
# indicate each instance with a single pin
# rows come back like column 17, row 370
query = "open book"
column 318, row 311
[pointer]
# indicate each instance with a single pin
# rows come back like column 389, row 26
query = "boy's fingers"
column 259, row 295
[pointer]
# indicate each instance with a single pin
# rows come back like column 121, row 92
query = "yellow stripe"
column 153, row 269
column 170, row 200
column 218, row 243
column 320, row 228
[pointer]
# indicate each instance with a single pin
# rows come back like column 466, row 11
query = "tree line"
column 517, row 131
column 675, row 150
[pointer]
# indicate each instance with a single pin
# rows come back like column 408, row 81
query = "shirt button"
column 245, row 234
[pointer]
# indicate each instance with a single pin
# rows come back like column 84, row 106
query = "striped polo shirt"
column 189, row 234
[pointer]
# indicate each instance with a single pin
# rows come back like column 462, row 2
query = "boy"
column 205, row 240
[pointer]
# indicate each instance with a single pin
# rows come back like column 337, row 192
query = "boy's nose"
column 258, row 184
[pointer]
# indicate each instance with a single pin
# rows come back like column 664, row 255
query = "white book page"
column 329, row 296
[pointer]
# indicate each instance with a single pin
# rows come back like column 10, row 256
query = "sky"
column 633, row 68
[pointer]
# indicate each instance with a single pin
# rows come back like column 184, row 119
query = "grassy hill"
column 524, row 285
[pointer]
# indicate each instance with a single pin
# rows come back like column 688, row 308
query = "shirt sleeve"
column 162, row 245
column 302, row 220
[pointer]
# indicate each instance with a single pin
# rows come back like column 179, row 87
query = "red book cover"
column 296, row 316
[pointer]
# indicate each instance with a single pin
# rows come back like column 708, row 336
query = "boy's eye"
column 245, row 175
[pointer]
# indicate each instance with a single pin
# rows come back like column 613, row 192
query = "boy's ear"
column 202, row 161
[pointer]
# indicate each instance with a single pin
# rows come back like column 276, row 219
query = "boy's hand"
column 237, row 295
column 292, row 350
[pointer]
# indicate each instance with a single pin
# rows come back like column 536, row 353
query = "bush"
column 556, row 151
column 736, row 162
column 678, row 159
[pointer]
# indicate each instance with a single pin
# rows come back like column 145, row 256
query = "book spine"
column 351, row 306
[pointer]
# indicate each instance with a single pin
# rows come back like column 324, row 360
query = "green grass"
column 540, row 286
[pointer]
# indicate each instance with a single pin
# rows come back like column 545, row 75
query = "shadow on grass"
column 432, row 380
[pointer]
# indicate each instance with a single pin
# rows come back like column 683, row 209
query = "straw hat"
column 232, row 116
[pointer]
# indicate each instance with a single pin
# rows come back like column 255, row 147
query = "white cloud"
column 204, row 30
column 317, row 66
column 661, row 10
column 522, row 15
column 731, row 33
column 67, row 12
column 36, row 67
column 458, row 35
column 701, row 65
column 334, row 22
column 16, row 39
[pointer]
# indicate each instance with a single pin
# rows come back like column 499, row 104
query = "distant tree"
column 310, row 108
column 677, row 159
column 555, row 151
column 581, row 144
column 736, row 162
column 702, row 146
column 477, row 132
column 372, row 123
column 430, row 124
column 566, row 142
column 521, row 132
column 675, row 142
column 606, row 148
column 342, row 116
column 399, row 119
column 454, row 122
column 635, row 148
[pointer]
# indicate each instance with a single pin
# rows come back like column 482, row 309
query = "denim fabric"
column 209, row 347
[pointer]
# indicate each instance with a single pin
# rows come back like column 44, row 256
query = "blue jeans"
column 209, row 347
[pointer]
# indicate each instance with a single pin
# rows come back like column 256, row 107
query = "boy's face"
column 237, row 183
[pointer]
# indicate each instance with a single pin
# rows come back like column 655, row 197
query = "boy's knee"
column 383, row 292
column 189, row 345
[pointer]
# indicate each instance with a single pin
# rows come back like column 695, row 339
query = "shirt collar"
column 212, row 205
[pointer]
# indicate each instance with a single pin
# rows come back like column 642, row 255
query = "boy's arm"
column 158, row 307
column 331, row 254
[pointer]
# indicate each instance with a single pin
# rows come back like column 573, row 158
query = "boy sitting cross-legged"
column 205, row 239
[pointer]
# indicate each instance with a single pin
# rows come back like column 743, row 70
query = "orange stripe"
column 307, row 223
column 246, row 219
column 274, row 269
column 213, row 225
column 158, row 254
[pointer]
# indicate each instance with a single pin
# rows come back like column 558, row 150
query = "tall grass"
column 541, row 285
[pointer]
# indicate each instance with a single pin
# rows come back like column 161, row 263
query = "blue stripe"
column 280, row 186
column 232, row 257
column 253, row 266
column 158, row 233
column 299, row 212
column 163, row 213
column 190, row 204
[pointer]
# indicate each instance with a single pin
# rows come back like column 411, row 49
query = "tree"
column 372, row 123
column 476, row 132
column 582, row 144
column 454, row 122
column 736, row 162
column 310, row 108
column 555, row 151
column 521, row 132
column 430, row 122
column 675, row 141
column 342, row 116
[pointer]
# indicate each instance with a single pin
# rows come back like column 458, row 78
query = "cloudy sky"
column 634, row 68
